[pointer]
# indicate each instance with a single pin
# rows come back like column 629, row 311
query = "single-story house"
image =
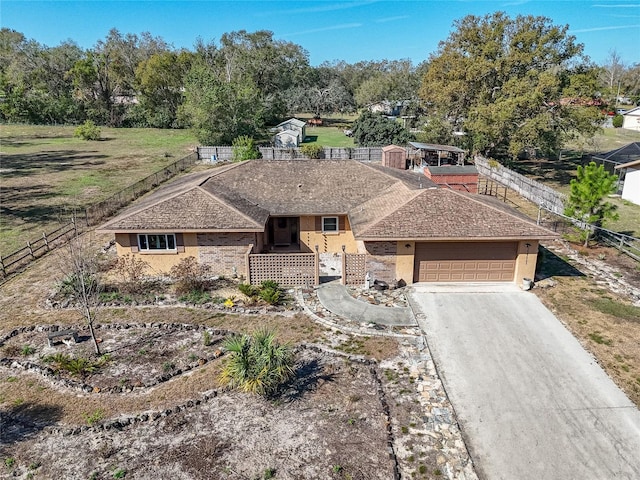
column 277, row 220
column 293, row 125
column 614, row 160
column 631, row 186
column 631, row 119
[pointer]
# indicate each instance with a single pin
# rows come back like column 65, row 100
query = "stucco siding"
column 311, row 235
column 158, row 263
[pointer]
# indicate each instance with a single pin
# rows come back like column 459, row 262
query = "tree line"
column 497, row 85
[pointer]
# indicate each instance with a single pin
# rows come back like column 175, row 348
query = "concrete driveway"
column 532, row 403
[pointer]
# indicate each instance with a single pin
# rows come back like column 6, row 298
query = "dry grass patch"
column 606, row 324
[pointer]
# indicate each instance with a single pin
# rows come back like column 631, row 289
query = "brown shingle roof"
column 382, row 203
column 308, row 187
column 443, row 214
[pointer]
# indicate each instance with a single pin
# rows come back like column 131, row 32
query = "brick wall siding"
column 224, row 251
column 381, row 260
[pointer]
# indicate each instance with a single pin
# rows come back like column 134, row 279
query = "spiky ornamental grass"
column 257, row 363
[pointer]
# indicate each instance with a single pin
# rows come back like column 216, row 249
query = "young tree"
column 586, row 200
column 79, row 267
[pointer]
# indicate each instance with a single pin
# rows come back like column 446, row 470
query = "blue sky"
column 328, row 30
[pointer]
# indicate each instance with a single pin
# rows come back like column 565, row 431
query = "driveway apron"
column 532, row 403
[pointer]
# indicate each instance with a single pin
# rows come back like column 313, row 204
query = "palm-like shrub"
column 257, row 363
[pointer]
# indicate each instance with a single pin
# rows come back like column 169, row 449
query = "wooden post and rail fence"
column 81, row 219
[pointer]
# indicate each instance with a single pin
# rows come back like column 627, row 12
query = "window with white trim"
column 330, row 224
column 157, row 242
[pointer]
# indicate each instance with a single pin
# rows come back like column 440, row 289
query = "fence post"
column 46, row 242
column 344, row 269
column 4, row 271
column 30, row 249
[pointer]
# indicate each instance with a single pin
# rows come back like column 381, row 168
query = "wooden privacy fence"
column 289, row 270
column 225, row 153
column 533, row 191
column 19, row 259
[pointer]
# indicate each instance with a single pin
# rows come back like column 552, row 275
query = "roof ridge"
column 232, row 207
column 412, row 194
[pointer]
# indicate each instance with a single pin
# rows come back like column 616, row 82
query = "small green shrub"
column 618, row 120
column 269, row 473
column 94, row 417
column 9, row 462
column 206, row 338
column 76, row 366
column 250, row 291
column 271, row 296
column 27, row 350
column 196, row 297
column 312, row 150
column 119, row 473
column 168, row 366
column 257, row 363
column 596, row 337
column 244, row 148
column 87, row 131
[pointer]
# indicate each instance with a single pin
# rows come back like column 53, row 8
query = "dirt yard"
column 154, row 409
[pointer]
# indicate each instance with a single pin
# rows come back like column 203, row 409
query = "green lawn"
column 606, row 140
column 328, row 137
column 45, row 168
column 629, row 218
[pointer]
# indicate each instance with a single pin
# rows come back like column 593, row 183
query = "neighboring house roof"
column 634, row 112
column 293, row 133
column 628, row 153
column 635, row 163
column 436, row 148
column 382, row 203
column 292, row 121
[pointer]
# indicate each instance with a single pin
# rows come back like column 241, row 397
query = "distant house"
column 385, row 107
column 292, row 125
column 631, row 185
column 615, row 160
column 631, row 119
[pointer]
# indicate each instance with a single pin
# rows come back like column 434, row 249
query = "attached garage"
column 465, row 261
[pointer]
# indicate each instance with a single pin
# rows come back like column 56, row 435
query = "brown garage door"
column 465, row 262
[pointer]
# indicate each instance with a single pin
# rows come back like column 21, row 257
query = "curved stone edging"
column 49, row 374
column 362, row 331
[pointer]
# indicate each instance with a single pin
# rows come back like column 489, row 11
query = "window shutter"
column 341, row 224
column 179, row 243
column 318, row 224
column 133, row 242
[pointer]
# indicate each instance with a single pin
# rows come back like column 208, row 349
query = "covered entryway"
column 465, row 262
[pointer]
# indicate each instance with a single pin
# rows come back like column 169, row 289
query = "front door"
column 281, row 231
